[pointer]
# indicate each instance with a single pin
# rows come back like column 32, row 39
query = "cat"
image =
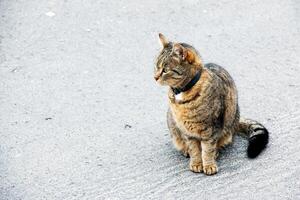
column 203, row 113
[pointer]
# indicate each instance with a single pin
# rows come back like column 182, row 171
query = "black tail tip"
column 257, row 143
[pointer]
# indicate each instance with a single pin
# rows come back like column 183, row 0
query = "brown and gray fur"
column 204, row 118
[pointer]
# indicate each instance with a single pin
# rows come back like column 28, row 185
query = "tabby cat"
column 203, row 110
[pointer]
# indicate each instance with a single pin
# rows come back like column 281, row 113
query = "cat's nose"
column 156, row 77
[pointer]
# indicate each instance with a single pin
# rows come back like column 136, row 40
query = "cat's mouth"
column 156, row 78
column 159, row 80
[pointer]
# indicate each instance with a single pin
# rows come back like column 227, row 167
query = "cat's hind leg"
column 225, row 140
column 180, row 144
column 178, row 139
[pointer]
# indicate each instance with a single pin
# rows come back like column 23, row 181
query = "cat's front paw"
column 196, row 166
column 210, row 169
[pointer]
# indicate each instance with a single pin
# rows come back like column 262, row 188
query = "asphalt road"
column 82, row 118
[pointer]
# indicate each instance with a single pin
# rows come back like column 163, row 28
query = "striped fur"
column 204, row 118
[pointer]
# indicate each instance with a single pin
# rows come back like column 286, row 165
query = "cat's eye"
column 165, row 69
column 176, row 71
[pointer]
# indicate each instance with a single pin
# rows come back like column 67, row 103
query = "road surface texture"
column 81, row 116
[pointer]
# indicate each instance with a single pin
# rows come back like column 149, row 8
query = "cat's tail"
column 257, row 135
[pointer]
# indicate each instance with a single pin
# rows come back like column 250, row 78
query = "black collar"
column 189, row 85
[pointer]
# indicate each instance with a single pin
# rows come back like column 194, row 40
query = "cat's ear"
column 179, row 51
column 163, row 40
column 184, row 53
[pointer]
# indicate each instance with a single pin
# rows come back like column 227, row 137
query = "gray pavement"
column 82, row 118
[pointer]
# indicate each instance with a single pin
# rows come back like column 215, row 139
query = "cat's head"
column 176, row 63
